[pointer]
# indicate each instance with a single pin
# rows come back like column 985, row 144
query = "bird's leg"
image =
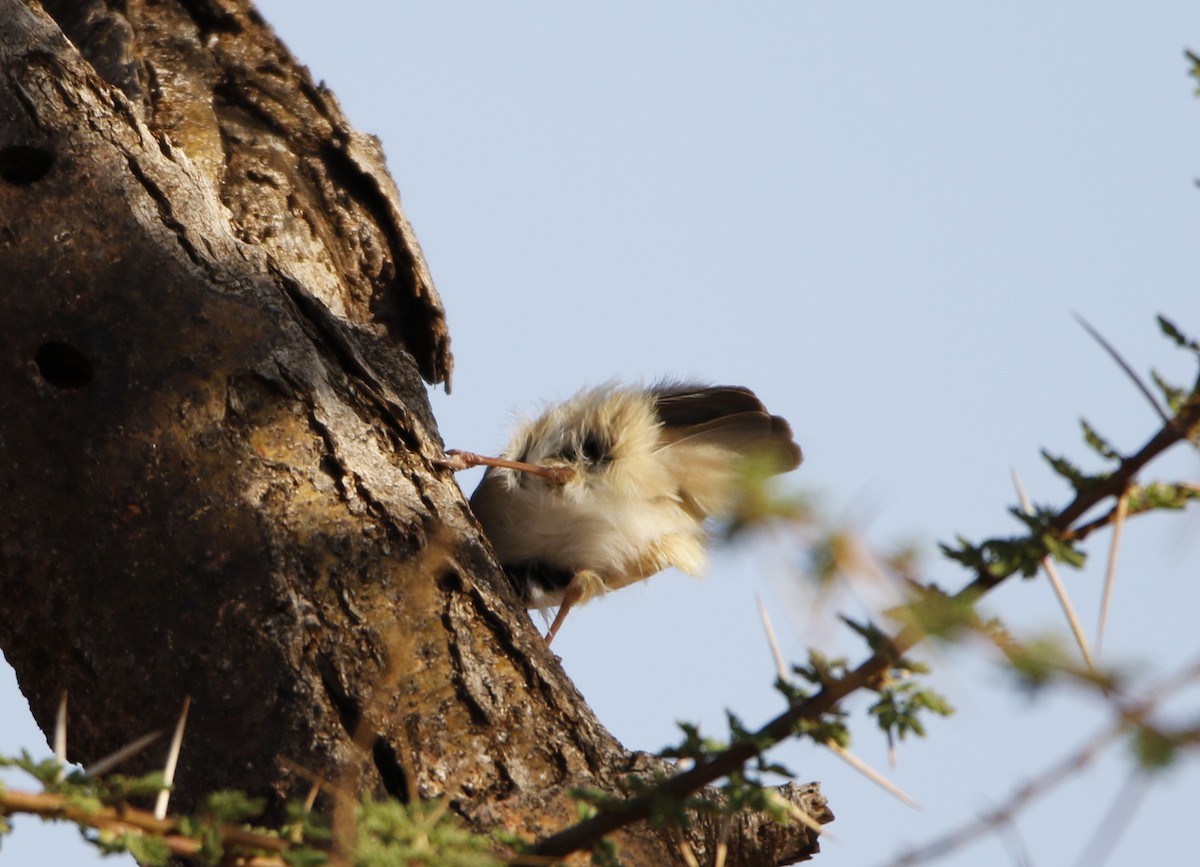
column 458, row 460
column 584, row 585
column 570, row 596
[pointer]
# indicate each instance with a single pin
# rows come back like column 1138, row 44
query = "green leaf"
column 424, row 834
column 1064, row 552
column 1036, row 662
column 302, row 856
column 936, row 613
column 822, row 669
column 1172, row 394
column 694, row 746
column 790, row 692
column 1153, row 749
column 147, row 850
column 119, row 787
column 232, row 806
column 1178, row 337
column 1078, row 479
column 1161, row 495
column 1098, row 443
column 900, row 705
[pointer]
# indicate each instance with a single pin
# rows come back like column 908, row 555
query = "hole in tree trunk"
column 23, row 164
column 63, row 366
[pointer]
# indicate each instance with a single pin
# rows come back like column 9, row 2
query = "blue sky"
column 879, row 216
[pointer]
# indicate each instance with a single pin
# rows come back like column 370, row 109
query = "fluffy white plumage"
column 638, row 472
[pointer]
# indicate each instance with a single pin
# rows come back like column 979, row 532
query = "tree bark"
column 215, row 445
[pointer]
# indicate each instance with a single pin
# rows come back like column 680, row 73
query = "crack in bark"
column 29, row 61
column 329, row 332
column 465, row 683
column 211, row 18
column 166, row 213
column 391, row 770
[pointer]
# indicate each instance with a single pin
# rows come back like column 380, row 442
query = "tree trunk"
column 215, row 444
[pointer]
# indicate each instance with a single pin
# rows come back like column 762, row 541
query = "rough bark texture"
column 215, row 443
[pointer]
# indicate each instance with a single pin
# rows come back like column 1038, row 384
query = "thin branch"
column 297, row 834
column 49, row 805
column 1018, row 799
column 1127, row 713
column 1186, row 424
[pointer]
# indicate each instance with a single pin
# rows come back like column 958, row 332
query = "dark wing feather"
column 681, row 405
column 726, row 415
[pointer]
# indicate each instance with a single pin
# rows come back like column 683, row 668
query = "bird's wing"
column 731, row 417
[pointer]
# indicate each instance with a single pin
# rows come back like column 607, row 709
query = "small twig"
column 1060, row 589
column 453, row 787
column 1129, row 371
column 164, row 794
column 1110, row 574
column 50, row 805
column 297, row 833
column 1019, row 798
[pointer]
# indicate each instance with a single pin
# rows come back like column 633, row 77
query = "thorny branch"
column 1184, row 426
column 50, row 805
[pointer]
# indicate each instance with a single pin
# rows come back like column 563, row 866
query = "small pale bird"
column 617, row 483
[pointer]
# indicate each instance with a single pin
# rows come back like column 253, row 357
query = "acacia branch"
column 49, row 805
column 1185, row 425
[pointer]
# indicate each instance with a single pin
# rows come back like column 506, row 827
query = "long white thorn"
column 689, row 854
column 1060, row 589
column 60, row 735
column 164, row 794
column 723, row 842
column 871, row 774
column 773, row 640
column 102, row 766
column 1110, row 574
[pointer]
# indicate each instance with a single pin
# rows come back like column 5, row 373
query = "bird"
column 619, row 482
